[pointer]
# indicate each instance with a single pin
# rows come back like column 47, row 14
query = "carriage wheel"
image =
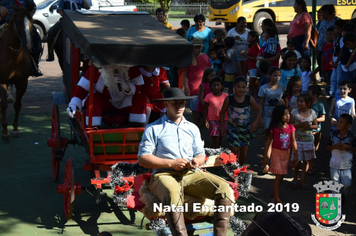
column 69, row 190
column 57, row 153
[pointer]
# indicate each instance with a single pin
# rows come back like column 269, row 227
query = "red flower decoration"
column 239, row 170
column 124, row 188
column 225, row 159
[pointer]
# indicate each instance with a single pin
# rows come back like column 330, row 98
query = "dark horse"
column 277, row 224
column 15, row 64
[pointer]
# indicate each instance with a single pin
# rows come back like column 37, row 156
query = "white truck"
column 46, row 14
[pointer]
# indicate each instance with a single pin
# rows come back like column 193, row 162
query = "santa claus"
column 116, row 88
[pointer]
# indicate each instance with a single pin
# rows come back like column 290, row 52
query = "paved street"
column 29, row 204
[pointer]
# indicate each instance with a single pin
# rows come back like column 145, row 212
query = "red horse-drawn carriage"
column 125, row 39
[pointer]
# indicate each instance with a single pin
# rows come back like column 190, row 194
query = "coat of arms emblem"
column 328, row 205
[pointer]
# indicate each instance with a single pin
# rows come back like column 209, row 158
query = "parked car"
column 46, row 14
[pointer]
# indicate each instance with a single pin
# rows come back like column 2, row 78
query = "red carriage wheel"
column 69, row 189
column 69, row 194
column 55, row 143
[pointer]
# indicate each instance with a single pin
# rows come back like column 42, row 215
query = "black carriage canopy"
column 126, row 38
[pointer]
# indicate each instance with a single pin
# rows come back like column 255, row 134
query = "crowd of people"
column 285, row 95
column 230, row 73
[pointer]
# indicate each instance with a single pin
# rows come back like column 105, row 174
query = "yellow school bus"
column 255, row 11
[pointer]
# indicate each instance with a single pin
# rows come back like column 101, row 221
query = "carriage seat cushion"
column 147, row 199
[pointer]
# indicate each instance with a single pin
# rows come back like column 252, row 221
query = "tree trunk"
column 165, row 4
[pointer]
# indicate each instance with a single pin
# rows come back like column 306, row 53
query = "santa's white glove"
column 71, row 109
column 122, row 84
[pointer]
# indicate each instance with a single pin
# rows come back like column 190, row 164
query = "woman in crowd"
column 202, row 32
column 301, row 26
column 240, row 33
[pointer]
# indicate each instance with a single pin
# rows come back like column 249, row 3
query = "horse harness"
column 4, row 28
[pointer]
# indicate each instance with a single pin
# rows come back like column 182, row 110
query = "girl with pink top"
column 212, row 107
column 281, row 135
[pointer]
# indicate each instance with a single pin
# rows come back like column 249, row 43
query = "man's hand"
column 71, row 110
column 193, row 164
column 179, row 164
column 3, row 12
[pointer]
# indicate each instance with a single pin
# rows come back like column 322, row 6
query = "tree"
column 165, row 4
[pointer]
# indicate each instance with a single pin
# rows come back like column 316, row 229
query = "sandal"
column 294, row 184
column 311, row 171
column 265, row 170
column 305, row 186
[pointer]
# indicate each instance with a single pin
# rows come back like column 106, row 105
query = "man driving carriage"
column 6, row 11
column 116, row 88
column 173, row 148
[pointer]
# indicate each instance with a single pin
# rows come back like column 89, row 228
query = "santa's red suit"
column 108, row 97
column 152, row 89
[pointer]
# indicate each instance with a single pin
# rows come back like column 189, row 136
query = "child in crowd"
column 253, row 48
column 293, row 90
column 263, row 72
column 281, row 135
column 307, row 74
column 342, row 105
column 346, row 28
column 270, row 45
column 219, row 43
column 215, row 62
column 283, row 53
column 239, row 130
column 185, row 24
column 350, row 42
column 267, row 23
column 192, row 76
column 230, row 63
column 338, row 43
column 204, row 89
column 304, row 120
column 269, row 96
column 342, row 144
column 289, row 68
column 318, row 107
column 181, row 32
column 291, row 44
column 212, row 107
column 327, row 58
column 342, row 72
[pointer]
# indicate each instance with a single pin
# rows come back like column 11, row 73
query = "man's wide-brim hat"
column 174, row 94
